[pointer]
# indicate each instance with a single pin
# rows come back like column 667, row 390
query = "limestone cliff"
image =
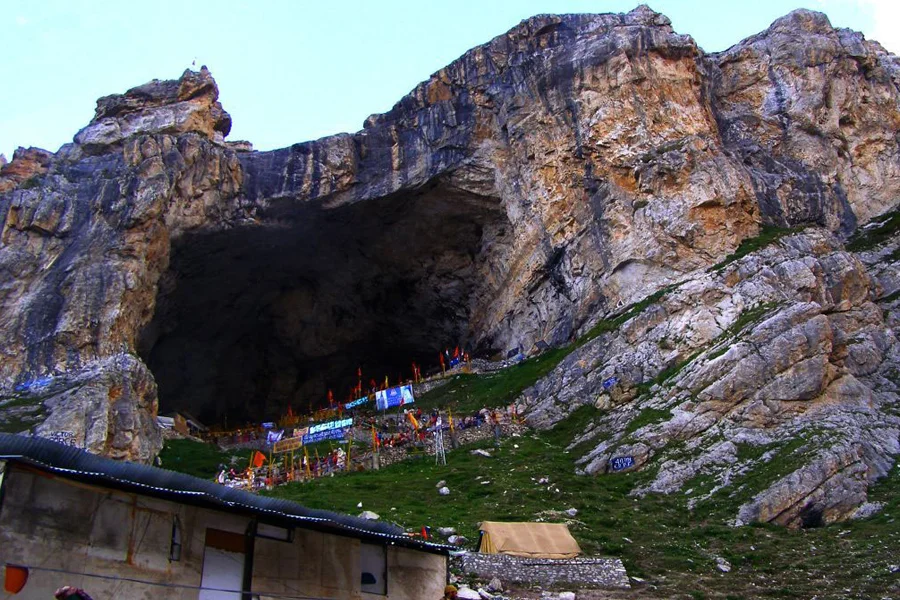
column 529, row 190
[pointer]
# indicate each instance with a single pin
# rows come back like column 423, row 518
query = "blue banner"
column 356, row 402
column 395, row 396
column 329, row 425
column 319, row 436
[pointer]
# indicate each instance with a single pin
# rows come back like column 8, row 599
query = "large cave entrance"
column 254, row 318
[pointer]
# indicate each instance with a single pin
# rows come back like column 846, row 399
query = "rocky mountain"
column 581, row 177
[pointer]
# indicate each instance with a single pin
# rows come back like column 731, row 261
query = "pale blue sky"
column 290, row 71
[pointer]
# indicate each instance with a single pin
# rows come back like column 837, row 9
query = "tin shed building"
column 124, row 530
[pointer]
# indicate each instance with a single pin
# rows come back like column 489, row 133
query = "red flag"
column 424, row 532
column 441, row 358
column 330, row 398
column 359, row 372
column 456, row 352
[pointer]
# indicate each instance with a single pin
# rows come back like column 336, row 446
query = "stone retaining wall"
column 593, row 572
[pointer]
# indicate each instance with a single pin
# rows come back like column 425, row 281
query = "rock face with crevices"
column 526, row 192
column 782, row 362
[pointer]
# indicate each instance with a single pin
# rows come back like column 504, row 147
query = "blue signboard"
column 608, row 383
column 34, row 384
column 396, row 396
column 329, row 425
column 319, row 436
column 621, row 462
column 356, row 402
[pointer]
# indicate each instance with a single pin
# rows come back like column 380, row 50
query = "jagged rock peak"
column 26, row 163
column 187, row 104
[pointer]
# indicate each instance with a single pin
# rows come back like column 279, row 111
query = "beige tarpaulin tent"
column 530, row 540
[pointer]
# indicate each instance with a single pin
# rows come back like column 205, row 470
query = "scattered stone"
column 359, row 505
column 369, row 515
column 627, row 540
column 572, row 512
column 457, row 540
column 567, row 596
column 722, row 564
column 867, row 510
column 441, row 484
column 486, row 595
column 446, row 531
column 485, row 482
column 481, row 452
column 543, row 480
column 444, row 491
column 467, row 593
column 495, row 586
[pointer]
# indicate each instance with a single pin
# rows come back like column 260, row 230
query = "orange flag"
column 259, row 459
column 412, row 419
column 375, row 442
column 15, row 578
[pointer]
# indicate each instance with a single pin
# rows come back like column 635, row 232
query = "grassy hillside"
column 671, row 548
column 657, row 537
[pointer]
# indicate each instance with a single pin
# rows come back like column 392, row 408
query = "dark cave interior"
column 255, row 318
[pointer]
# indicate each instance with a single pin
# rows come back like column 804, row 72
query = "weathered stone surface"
column 107, row 407
column 27, row 164
column 547, row 178
column 812, row 113
column 186, row 105
column 782, row 346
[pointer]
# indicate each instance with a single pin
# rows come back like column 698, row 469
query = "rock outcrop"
column 536, row 185
column 779, row 362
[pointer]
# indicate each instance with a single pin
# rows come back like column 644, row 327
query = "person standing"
column 495, row 418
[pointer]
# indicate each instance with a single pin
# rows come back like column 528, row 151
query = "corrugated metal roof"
column 74, row 463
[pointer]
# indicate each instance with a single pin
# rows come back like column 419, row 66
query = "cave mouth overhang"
column 254, row 318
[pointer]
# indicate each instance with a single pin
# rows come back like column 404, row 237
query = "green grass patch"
column 750, row 316
column 613, row 324
column 648, row 416
column 468, row 393
column 200, row 459
column 788, row 458
column 880, row 230
column 768, row 234
column 657, row 538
